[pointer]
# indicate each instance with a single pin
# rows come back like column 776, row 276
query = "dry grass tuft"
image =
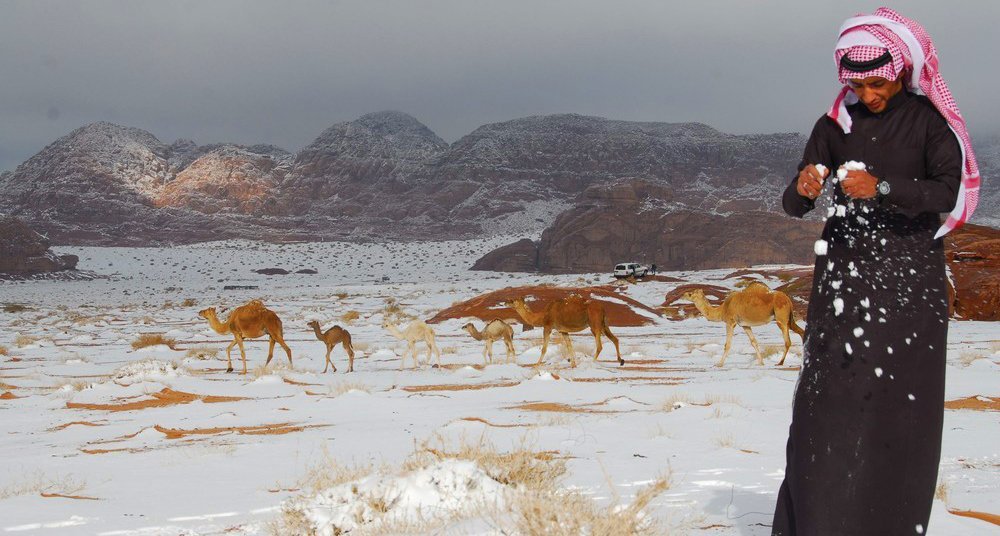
column 4, row 350
column 23, row 340
column 38, row 482
column 202, row 352
column 14, row 308
column 534, row 501
column 189, row 302
column 349, row 317
column 346, row 387
column 520, row 468
column 941, row 493
column 558, row 512
column 340, row 295
column 152, row 339
column 726, row 441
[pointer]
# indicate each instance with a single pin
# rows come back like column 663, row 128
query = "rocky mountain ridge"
column 387, row 176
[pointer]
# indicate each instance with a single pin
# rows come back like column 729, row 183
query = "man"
column 865, row 438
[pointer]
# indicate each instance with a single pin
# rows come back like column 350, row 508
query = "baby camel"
column 248, row 321
column 332, row 337
column 416, row 331
column 495, row 329
column 755, row 305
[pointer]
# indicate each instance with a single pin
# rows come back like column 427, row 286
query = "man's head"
column 875, row 91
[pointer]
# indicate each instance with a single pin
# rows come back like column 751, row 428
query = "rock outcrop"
column 637, row 221
column 973, row 254
column 24, row 252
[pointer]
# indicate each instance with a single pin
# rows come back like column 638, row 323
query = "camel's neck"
column 476, row 334
column 219, row 327
column 319, row 334
column 713, row 313
column 535, row 319
column 394, row 331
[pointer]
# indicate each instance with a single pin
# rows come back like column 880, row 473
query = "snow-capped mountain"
column 386, row 175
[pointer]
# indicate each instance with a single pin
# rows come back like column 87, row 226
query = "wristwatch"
column 883, row 188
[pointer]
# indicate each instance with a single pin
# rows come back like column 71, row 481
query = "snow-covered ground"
column 99, row 438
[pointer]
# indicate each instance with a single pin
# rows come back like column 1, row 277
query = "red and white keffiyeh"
column 866, row 37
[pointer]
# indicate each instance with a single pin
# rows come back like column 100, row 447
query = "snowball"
column 858, row 332
column 820, row 247
column 911, row 397
column 838, row 306
column 841, row 173
column 841, row 210
column 822, row 172
column 878, row 372
column 847, row 347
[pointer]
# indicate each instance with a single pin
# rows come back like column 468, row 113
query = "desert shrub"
column 202, row 352
column 152, row 339
column 349, row 317
column 189, row 302
column 4, row 350
column 23, row 340
column 14, row 308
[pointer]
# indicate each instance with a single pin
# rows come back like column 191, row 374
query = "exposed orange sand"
column 488, row 423
column 458, row 386
column 166, row 397
column 67, row 425
column 557, row 407
column 61, row 496
column 989, row 518
column 264, row 429
column 293, row 382
column 974, row 403
column 490, row 306
column 8, row 396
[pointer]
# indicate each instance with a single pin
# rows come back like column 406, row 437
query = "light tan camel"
column 248, row 321
column 755, row 305
column 568, row 315
column 416, row 331
column 495, row 329
column 332, row 337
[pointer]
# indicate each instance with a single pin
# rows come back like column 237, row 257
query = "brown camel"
column 332, row 337
column 248, row 321
column 756, row 305
column 495, row 329
column 568, row 315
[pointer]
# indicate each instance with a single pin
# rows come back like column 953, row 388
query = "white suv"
column 630, row 269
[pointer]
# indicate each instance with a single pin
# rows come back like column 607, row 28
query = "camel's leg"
column 281, row 340
column 753, row 341
column 243, row 354
column 486, row 349
column 545, row 343
column 349, row 346
column 614, row 340
column 270, row 351
column 597, row 342
column 437, row 353
column 783, row 326
column 229, row 356
column 729, row 342
column 511, row 353
column 329, row 362
column 412, row 347
column 572, row 352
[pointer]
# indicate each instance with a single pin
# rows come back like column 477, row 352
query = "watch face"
column 883, row 187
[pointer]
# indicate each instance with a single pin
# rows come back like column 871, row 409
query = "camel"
column 495, row 329
column 416, row 331
column 756, row 305
column 568, row 315
column 248, row 321
column 332, row 337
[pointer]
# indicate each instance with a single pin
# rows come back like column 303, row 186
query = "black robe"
column 865, row 438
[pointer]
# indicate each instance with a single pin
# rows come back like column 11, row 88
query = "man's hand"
column 859, row 184
column 810, row 181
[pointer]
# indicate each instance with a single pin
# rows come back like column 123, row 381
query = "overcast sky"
column 282, row 72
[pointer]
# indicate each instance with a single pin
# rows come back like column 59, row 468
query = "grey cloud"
column 281, row 72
